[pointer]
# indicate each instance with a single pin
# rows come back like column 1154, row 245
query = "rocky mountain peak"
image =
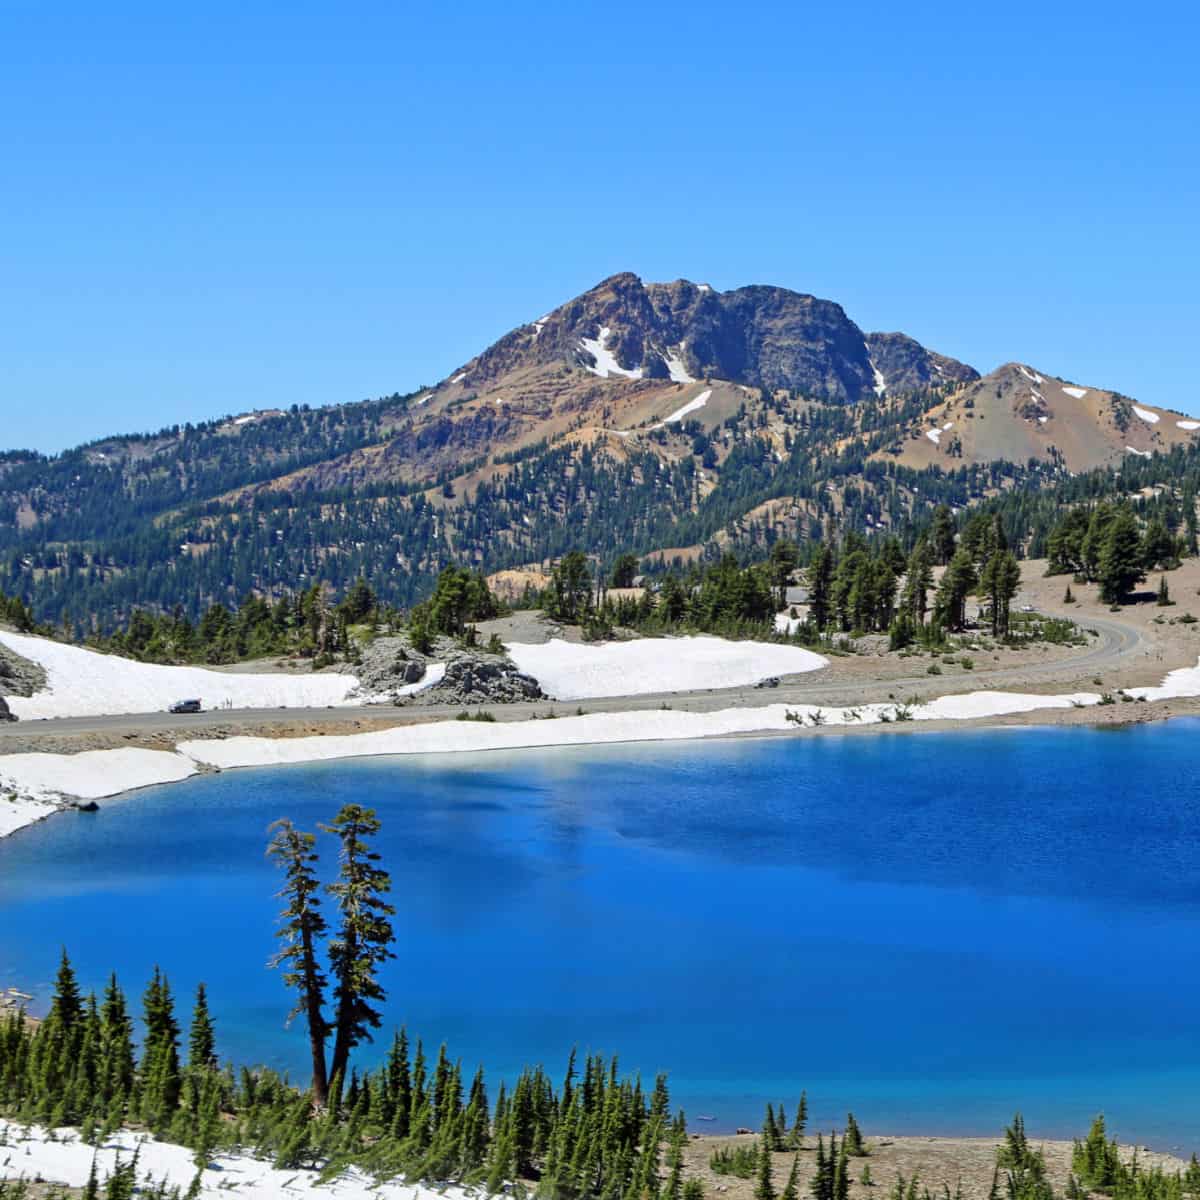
column 759, row 336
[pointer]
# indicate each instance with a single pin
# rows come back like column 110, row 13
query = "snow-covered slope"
column 569, row 671
column 83, row 683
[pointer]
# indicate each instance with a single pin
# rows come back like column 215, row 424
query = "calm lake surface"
column 933, row 930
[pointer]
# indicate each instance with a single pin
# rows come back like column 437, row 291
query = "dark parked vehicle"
column 185, row 706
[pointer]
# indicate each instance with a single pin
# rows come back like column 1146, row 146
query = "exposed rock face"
column 759, row 336
column 19, row 676
column 387, row 664
column 908, row 367
column 473, row 676
column 5, row 715
column 483, row 679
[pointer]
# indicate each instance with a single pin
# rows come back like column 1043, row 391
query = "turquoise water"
column 933, row 930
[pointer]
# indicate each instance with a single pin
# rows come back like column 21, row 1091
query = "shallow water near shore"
column 932, row 930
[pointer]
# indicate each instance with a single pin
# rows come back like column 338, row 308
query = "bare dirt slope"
column 937, row 1162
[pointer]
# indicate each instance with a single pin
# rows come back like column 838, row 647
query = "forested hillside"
column 667, row 421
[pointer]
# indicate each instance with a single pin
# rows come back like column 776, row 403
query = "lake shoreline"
column 188, row 757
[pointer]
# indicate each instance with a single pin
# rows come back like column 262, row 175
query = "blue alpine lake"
column 933, row 930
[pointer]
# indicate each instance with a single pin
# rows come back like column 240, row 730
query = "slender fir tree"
column 302, row 925
column 364, row 936
column 202, row 1038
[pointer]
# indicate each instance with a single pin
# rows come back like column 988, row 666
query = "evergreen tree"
column 302, row 925
column 852, row 1143
column 801, row 1121
column 764, row 1188
column 158, row 1071
column 820, row 586
column 791, row 1190
column 999, row 581
column 957, row 584
column 117, row 1064
column 841, row 1174
column 202, row 1042
column 1119, row 567
column 941, row 535
column 918, row 583
column 364, row 936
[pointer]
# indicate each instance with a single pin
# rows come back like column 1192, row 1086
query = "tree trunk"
column 316, row 1025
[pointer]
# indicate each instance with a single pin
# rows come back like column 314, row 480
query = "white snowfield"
column 84, row 683
column 67, row 1160
column 568, row 671
column 1077, row 392
column 1146, row 415
column 1188, row 425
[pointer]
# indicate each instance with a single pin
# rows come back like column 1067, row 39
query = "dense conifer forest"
column 176, row 519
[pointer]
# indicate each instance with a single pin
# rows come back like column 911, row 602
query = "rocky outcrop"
column 473, row 675
column 19, row 676
column 5, row 714
column 907, row 366
column 482, row 679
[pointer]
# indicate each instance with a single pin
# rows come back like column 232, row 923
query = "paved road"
column 1117, row 643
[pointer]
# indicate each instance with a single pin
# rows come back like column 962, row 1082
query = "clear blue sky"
column 210, row 207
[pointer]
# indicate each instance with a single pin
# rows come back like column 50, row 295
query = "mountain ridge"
column 758, row 335
column 666, row 419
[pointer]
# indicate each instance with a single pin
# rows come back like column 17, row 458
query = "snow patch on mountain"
column 693, row 405
column 606, row 363
column 676, row 369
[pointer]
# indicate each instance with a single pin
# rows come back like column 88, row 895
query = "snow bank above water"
column 30, row 784
column 446, row 737
column 67, row 1160
column 83, row 683
column 573, row 672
